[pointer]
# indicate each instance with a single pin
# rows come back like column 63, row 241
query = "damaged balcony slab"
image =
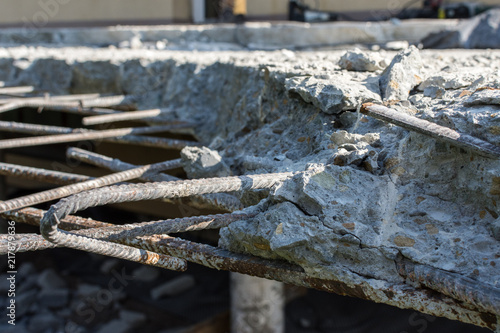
column 367, row 198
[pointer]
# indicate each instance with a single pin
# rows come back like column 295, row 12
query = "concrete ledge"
column 250, row 35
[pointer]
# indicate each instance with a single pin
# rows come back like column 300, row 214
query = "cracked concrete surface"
column 368, row 191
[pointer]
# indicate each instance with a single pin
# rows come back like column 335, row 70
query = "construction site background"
column 70, row 12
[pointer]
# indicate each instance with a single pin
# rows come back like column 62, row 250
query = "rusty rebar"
column 43, row 175
column 16, row 90
column 117, row 165
column 118, row 233
column 32, row 216
column 461, row 288
column 64, row 103
column 64, row 191
column 82, row 136
column 132, row 115
column 136, row 192
column 431, row 129
column 402, row 295
column 223, row 201
column 148, row 141
column 34, row 242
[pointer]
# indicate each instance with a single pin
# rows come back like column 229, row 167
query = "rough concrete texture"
column 358, row 60
column 402, row 75
column 479, row 32
column 368, row 191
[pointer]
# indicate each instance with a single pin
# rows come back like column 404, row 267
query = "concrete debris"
column 49, row 279
column 53, row 298
column 109, row 265
column 43, row 322
column 358, row 60
column 24, row 301
column 173, row 287
column 479, row 32
column 115, row 325
column 86, row 290
column 334, row 94
column 402, row 75
column 203, row 163
column 132, row 317
column 146, row 273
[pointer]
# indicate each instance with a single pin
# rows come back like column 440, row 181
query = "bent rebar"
column 136, row 192
column 458, row 287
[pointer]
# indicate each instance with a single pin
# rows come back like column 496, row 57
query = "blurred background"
column 109, row 12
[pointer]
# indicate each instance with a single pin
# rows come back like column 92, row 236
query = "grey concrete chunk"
column 363, row 61
column 49, row 279
column 402, row 75
column 203, row 163
column 434, row 92
column 334, row 94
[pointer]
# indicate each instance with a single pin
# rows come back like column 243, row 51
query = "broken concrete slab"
column 427, row 201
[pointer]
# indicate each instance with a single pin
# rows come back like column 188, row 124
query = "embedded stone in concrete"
column 402, row 75
column 363, row 61
column 434, row 92
column 203, row 163
column 334, row 94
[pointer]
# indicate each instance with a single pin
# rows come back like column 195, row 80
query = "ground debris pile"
column 370, row 204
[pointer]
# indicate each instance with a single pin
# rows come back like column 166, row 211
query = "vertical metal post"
column 257, row 305
column 198, row 10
